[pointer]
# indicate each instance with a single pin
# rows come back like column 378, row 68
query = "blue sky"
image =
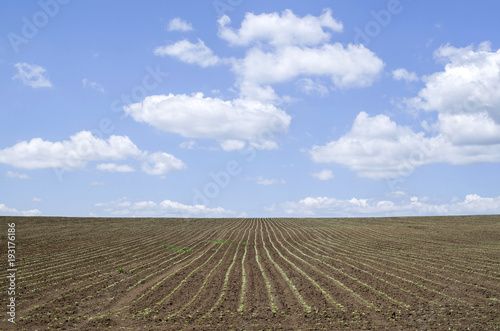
column 235, row 108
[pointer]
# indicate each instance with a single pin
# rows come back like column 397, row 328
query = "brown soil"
column 433, row 273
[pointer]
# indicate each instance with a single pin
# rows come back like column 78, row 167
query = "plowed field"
column 434, row 273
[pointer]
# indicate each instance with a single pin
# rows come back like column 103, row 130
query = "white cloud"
column 82, row 148
column 267, row 181
column 232, row 145
column 86, row 83
column 283, row 47
column 32, row 75
column 324, row 174
column 35, row 199
column 31, row 212
column 324, row 206
column 264, row 144
column 12, row 174
column 120, row 203
column 466, row 96
column 165, row 208
column 178, row 24
column 397, row 194
column 378, row 148
column 469, row 84
column 190, row 53
column 279, row 30
column 143, row 205
column 96, row 183
column 161, row 163
column 403, row 74
column 309, row 87
column 470, row 128
column 474, row 204
column 228, row 122
column 4, row 210
column 74, row 153
column 351, row 66
column 177, row 208
column 113, row 167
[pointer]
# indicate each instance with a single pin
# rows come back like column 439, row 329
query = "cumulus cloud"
column 279, row 30
column 113, row 167
column 376, row 147
column 466, row 94
column 466, row 97
column 317, row 205
column 403, row 74
column 165, row 208
column 475, row 204
column 235, row 124
column 470, row 82
column 324, row 206
column 190, row 53
column 6, row 211
column 324, row 174
column 160, row 163
column 82, row 148
column 178, row 24
column 176, row 208
column 351, row 66
column 470, row 129
column 283, row 47
column 32, row 75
